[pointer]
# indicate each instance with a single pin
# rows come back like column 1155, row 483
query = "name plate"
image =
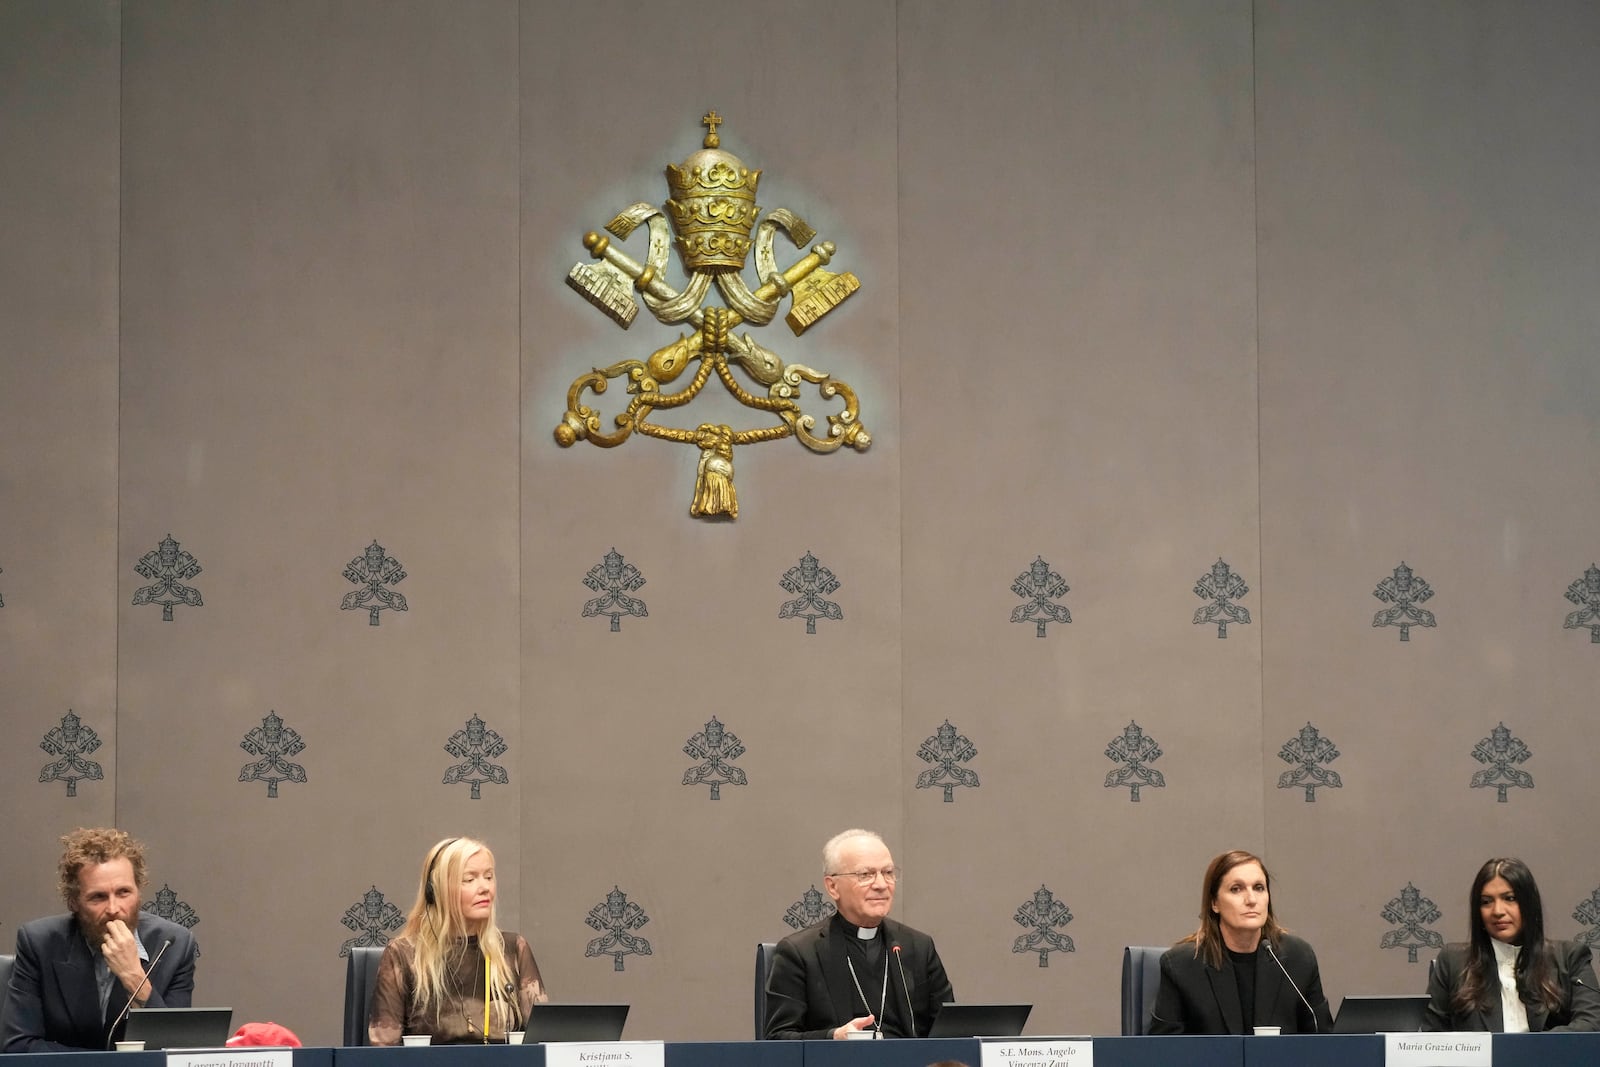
column 1060, row 1052
column 233, row 1057
column 1437, row 1050
column 605, row 1054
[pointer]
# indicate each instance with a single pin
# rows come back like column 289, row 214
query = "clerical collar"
column 862, row 933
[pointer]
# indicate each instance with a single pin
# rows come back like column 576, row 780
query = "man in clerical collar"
column 856, row 972
column 76, row 975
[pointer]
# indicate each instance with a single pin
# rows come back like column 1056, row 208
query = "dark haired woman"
column 451, row 973
column 1239, row 969
column 1508, row 978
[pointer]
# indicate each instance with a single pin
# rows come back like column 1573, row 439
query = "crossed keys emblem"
column 709, row 218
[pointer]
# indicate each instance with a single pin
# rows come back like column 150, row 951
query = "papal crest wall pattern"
column 1235, row 402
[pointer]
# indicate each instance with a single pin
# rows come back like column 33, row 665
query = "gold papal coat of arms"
column 709, row 216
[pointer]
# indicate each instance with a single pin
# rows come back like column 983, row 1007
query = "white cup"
column 861, row 1035
column 1268, row 1031
column 417, row 1039
column 513, row 1037
column 130, row 1046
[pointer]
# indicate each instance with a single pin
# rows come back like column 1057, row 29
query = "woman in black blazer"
column 1240, row 969
column 1508, row 978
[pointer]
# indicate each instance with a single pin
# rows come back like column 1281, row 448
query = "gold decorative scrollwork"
column 711, row 212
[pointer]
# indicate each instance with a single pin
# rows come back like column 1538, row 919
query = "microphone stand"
column 132, row 997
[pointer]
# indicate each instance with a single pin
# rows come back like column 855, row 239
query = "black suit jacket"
column 54, row 1004
column 1196, row 998
column 810, row 993
column 1574, row 972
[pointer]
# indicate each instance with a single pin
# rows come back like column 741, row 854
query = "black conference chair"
column 360, row 977
column 6, row 963
column 764, row 954
column 1141, row 978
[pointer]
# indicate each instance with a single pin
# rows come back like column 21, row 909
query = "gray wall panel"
column 1424, row 215
column 1077, row 189
column 58, row 428
column 318, row 353
column 613, row 92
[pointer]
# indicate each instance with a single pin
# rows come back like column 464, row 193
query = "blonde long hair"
column 438, row 933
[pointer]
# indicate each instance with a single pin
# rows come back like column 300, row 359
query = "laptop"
column 161, row 1028
column 1381, row 1014
column 575, row 1022
column 980, row 1020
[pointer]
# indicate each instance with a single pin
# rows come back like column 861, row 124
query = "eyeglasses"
column 888, row 874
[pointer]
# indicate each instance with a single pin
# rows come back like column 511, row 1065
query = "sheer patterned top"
column 458, row 1018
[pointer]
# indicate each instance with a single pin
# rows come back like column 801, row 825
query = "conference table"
column 1362, row 1050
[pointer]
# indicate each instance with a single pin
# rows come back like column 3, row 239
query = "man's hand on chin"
column 121, row 950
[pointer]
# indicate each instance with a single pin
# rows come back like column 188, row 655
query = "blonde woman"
column 452, row 973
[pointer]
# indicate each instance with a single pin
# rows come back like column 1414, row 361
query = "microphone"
column 136, row 990
column 1314, row 1027
column 514, row 1007
column 905, row 987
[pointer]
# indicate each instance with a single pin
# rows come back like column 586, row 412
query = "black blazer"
column 1196, row 998
column 1574, row 973
column 54, row 1003
column 810, row 993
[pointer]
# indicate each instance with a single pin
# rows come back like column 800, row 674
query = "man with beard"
column 76, row 973
column 857, row 970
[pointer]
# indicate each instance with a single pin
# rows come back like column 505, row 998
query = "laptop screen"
column 575, row 1022
column 980, row 1020
column 1381, row 1014
column 161, row 1028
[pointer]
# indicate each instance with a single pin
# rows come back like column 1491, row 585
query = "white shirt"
column 1512, row 1011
